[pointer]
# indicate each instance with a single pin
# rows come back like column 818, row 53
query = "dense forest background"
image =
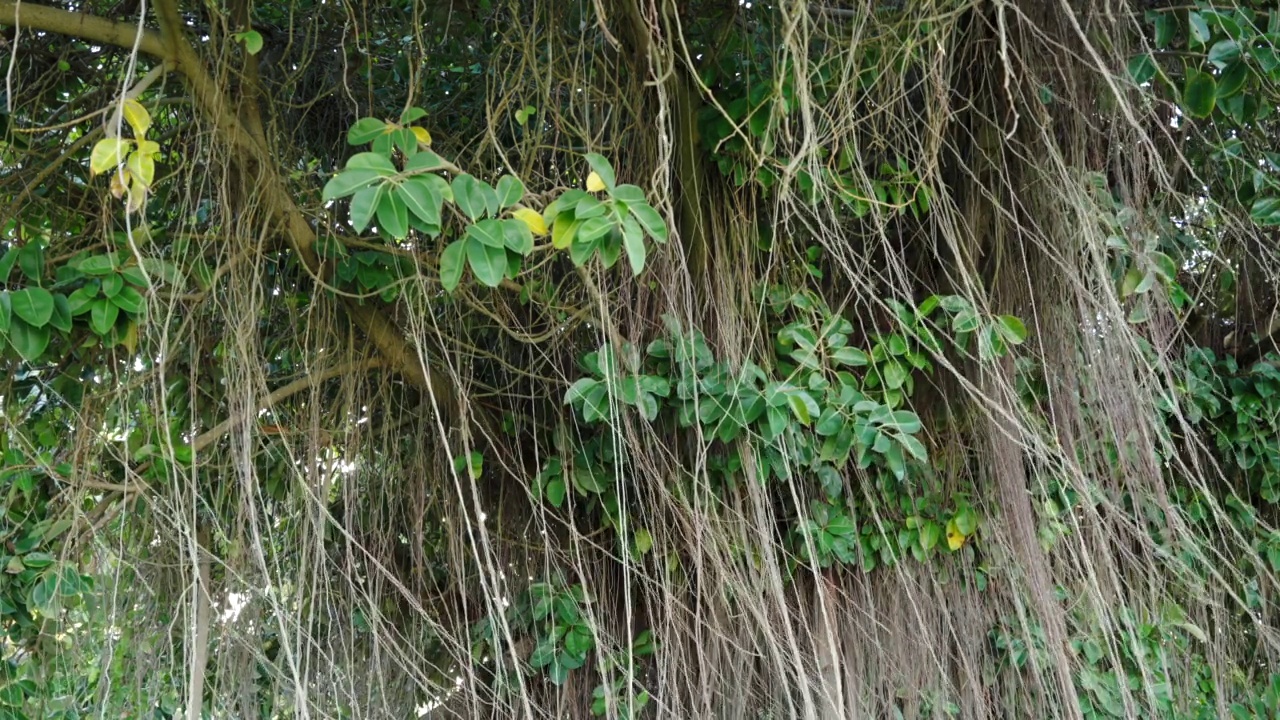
column 639, row 358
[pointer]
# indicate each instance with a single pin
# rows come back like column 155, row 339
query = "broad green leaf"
column 564, row 231
column 803, row 406
column 33, row 304
column 348, row 182
column 517, row 236
column 7, row 260
column 930, row 534
column 424, row 161
column 79, row 301
column 1011, row 329
column 30, row 342
column 915, row 447
column 1224, row 52
column 31, row 260
column 610, row 248
column 488, row 264
column 252, row 41
column 129, row 300
column 1142, row 68
column 488, row 232
column 143, row 167
column 650, row 220
column 1164, row 26
column 1200, row 33
column 594, row 229
column 393, row 216
column 421, row 198
column 6, row 314
column 850, row 356
column 633, row 240
column 108, row 154
column 363, row 205
column 603, row 169
column 588, row 207
column 469, row 196
column 629, row 194
column 112, row 284
column 1266, row 211
column 371, row 161
column 510, row 191
column 365, row 130
column 102, row 315
column 1199, row 94
column 452, row 263
column 1232, row 80
column 98, row 264
column 411, row 115
column 966, row 320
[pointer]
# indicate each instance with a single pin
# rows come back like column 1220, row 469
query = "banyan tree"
column 639, row 358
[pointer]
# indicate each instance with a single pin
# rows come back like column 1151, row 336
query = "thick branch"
column 30, row 16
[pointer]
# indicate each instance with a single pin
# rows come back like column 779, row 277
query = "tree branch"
column 30, row 16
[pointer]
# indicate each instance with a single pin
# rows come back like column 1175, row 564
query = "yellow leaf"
column 532, row 218
column 130, row 338
column 108, row 154
column 594, row 182
column 119, row 185
column 955, row 538
column 137, row 117
column 137, row 196
column 424, row 137
column 149, row 147
column 142, row 167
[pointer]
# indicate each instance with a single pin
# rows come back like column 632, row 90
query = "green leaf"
column 421, row 198
column 6, row 314
column 393, row 216
column 518, row 237
column 1164, row 27
column 850, row 356
column 102, row 315
column 372, row 161
column 79, row 301
column 555, row 492
column 603, row 169
column 1232, row 80
column 112, row 284
column 7, row 260
column 365, row 130
column 930, row 534
column 650, row 220
column 424, row 161
column 1142, row 68
column 488, row 264
column 564, row 231
column 469, row 196
column 1200, row 33
column 1224, row 52
column 30, row 342
column 633, row 240
column 1199, row 94
column 31, row 260
column 510, row 191
column 915, row 447
column 1011, row 329
column 452, row 263
column 34, row 305
column 129, row 300
column 347, row 182
column 588, row 207
column 363, row 205
column 252, row 40
column 1266, row 211
column 411, row 115
column 803, row 406
column 98, row 265
column 488, row 232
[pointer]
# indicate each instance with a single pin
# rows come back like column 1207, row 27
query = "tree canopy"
column 640, row 358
